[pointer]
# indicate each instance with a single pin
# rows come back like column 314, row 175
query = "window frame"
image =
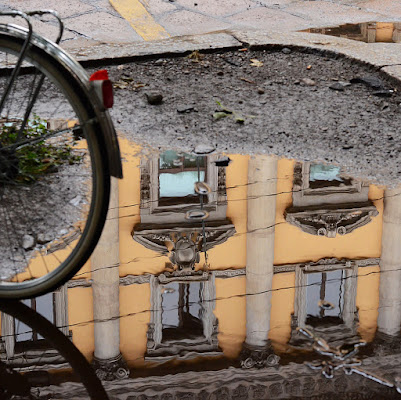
column 40, row 351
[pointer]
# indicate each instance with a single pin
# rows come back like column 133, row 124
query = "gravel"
column 283, row 103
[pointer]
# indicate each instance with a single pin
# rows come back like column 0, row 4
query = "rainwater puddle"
column 369, row 32
column 229, row 273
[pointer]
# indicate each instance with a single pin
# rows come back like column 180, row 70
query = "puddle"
column 369, row 32
column 271, row 275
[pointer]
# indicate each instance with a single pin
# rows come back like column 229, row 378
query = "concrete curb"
column 384, row 56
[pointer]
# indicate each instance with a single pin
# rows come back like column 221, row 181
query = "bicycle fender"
column 112, row 147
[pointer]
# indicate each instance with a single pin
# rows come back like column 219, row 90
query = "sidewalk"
column 92, row 22
column 122, row 29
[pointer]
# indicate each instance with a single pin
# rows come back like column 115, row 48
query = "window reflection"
column 182, row 311
column 322, row 175
column 324, row 288
column 178, row 173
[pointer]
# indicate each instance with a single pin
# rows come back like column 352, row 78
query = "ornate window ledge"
column 338, row 205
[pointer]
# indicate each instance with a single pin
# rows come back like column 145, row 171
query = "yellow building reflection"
column 369, row 32
column 281, row 238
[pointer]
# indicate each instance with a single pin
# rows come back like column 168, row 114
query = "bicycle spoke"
column 51, row 171
column 10, row 247
column 32, row 97
column 30, row 142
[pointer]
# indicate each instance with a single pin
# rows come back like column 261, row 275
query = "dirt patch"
column 287, row 103
column 41, row 218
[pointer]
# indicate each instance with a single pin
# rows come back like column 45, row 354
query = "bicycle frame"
column 60, row 342
column 101, row 116
column 21, row 58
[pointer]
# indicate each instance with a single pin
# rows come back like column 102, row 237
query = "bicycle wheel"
column 58, row 341
column 54, row 174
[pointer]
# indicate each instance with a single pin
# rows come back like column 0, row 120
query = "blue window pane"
column 179, row 185
column 321, row 172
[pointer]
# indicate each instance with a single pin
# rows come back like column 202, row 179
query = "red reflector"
column 107, row 92
column 100, row 75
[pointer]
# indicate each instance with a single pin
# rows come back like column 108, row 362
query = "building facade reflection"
column 369, row 32
column 149, row 298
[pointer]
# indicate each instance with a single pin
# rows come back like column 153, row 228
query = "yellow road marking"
column 139, row 18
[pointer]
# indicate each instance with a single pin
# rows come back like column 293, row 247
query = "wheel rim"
column 52, row 219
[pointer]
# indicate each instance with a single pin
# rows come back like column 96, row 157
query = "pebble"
column 371, row 81
column 28, row 242
column 76, row 200
column 261, row 91
column 204, row 149
column 348, row 146
column 185, row 109
column 159, row 61
column 383, row 93
column 286, row 50
column 44, row 238
column 308, row 82
column 337, row 86
column 154, row 98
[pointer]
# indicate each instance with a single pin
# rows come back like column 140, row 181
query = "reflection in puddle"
column 290, row 262
column 369, row 32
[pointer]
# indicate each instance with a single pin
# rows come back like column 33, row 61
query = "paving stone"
column 157, row 7
column 172, row 45
column 190, row 23
column 78, row 45
column 49, row 30
column 275, row 3
column 323, row 13
column 65, row 8
column 216, row 8
column 268, row 20
column 388, row 7
column 394, row 70
column 103, row 27
column 374, row 53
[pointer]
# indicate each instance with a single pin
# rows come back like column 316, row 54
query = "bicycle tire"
column 68, row 85
column 60, row 342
